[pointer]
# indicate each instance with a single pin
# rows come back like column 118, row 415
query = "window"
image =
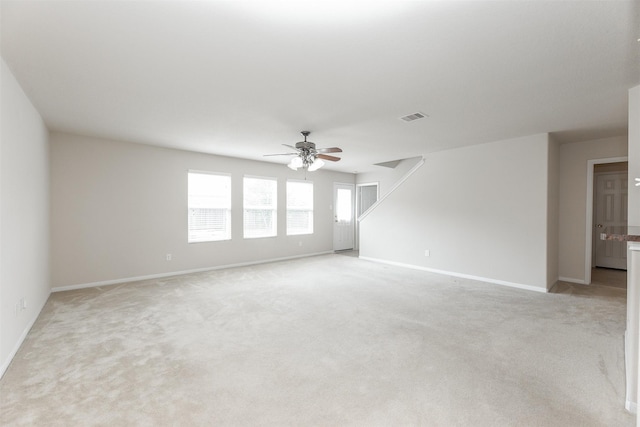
column 299, row 207
column 209, row 204
column 260, row 207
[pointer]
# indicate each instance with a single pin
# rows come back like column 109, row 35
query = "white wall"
column 24, row 215
column 634, row 156
column 573, row 200
column 553, row 212
column 118, row 208
column 482, row 211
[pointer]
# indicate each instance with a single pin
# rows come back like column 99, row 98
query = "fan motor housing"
column 305, row 145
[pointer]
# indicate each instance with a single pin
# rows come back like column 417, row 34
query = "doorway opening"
column 366, row 196
column 606, row 260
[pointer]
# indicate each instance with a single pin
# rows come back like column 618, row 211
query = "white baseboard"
column 461, row 275
column 178, row 273
column 572, row 280
column 18, row 344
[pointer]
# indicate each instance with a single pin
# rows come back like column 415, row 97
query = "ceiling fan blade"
column 326, row 157
column 329, row 150
column 281, row 154
column 307, row 152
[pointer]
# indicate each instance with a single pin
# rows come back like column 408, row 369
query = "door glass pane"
column 343, row 205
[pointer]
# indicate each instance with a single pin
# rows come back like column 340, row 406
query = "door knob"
column 599, row 225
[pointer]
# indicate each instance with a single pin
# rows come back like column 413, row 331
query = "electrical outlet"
column 299, row 243
column 427, row 252
column 168, row 257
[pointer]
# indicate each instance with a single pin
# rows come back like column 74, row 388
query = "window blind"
column 260, row 207
column 209, row 207
column 299, row 207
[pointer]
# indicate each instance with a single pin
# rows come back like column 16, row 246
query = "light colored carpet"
column 323, row 341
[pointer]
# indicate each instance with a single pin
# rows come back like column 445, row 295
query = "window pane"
column 299, row 207
column 209, row 206
column 260, row 207
column 299, row 222
column 209, row 224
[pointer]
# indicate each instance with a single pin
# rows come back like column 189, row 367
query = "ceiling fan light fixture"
column 315, row 165
column 295, row 163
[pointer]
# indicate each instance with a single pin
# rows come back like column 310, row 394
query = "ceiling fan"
column 307, row 155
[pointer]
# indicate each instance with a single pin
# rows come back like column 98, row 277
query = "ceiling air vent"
column 414, row 116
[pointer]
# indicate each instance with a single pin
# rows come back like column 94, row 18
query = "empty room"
column 319, row 213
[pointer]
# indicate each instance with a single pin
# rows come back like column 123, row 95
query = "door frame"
column 356, row 242
column 588, row 253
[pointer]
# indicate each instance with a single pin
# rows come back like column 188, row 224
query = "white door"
column 343, row 229
column 610, row 217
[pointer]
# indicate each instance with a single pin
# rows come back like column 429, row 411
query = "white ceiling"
column 240, row 79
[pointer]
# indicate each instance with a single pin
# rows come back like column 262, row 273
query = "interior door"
column 610, row 217
column 343, row 229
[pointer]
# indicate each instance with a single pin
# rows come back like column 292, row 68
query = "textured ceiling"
column 239, row 79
